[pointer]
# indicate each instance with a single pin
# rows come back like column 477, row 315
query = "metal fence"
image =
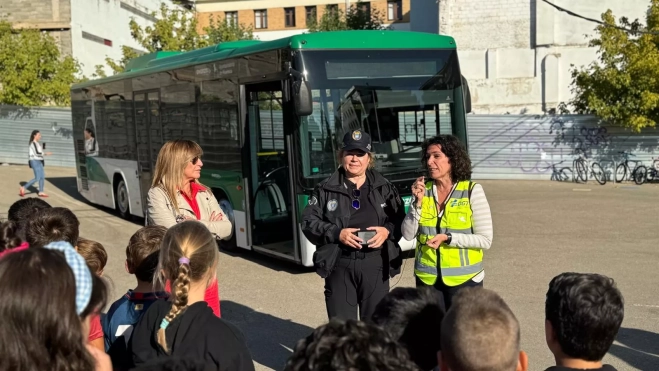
column 16, row 125
column 501, row 146
column 533, row 147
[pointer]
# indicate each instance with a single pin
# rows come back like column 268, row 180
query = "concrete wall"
column 53, row 16
column 95, row 22
column 517, row 53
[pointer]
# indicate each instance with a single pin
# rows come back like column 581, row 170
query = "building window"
column 100, row 40
column 261, row 18
column 231, row 18
column 289, row 17
column 332, row 8
column 395, row 10
column 366, row 8
column 310, row 14
column 136, row 11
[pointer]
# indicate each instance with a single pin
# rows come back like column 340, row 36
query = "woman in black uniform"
column 354, row 219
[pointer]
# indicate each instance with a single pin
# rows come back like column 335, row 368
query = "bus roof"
column 359, row 39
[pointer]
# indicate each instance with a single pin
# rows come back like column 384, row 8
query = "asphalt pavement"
column 541, row 229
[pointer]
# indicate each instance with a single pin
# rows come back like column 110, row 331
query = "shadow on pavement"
column 269, row 338
column 639, row 349
column 67, row 185
column 270, row 262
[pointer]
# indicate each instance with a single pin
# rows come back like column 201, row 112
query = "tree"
column 32, row 70
column 356, row 18
column 622, row 86
column 176, row 30
column 221, row 31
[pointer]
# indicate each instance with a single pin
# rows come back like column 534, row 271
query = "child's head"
column 23, row 210
column 143, row 250
column 51, row 225
column 480, row 332
column 8, row 237
column 94, row 253
column 188, row 256
column 409, row 314
column 349, row 345
column 43, row 309
column 583, row 313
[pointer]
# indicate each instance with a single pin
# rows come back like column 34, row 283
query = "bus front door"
column 268, row 174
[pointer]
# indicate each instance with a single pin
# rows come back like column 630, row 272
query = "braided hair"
column 188, row 256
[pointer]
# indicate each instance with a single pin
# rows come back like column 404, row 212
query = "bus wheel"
column 121, row 200
column 230, row 244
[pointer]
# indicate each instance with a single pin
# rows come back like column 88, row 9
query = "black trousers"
column 356, row 285
column 448, row 292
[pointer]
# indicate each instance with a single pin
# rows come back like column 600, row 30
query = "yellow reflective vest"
column 457, row 265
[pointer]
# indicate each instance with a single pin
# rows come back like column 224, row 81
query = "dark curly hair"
column 456, row 153
column 9, row 236
column 349, row 345
column 585, row 312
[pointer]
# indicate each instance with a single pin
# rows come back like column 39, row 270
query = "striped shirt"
column 481, row 223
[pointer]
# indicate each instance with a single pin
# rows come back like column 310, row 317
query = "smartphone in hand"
column 366, row 236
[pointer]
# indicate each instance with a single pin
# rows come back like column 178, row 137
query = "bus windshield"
column 399, row 97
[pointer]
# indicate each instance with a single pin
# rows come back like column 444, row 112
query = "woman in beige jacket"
column 176, row 195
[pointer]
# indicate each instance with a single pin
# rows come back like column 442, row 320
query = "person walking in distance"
column 450, row 219
column 36, row 162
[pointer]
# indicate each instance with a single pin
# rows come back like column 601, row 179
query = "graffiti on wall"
column 546, row 147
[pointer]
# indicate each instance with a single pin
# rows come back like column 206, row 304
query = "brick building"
column 89, row 30
column 276, row 19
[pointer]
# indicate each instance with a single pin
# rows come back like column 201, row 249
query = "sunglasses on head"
column 195, row 160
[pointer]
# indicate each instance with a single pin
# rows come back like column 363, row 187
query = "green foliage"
column 622, row 86
column 331, row 20
column 222, row 31
column 176, row 30
column 32, row 70
column 356, row 18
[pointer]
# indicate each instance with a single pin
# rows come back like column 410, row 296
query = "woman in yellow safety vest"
column 450, row 219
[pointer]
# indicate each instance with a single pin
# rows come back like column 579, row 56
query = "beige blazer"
column 160, row 211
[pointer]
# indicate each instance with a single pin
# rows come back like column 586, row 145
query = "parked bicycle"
column 643, row 174
column 559, row 175
column 625, row 172
column 584, row 167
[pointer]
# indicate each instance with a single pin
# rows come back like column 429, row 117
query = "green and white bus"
column 269, row 117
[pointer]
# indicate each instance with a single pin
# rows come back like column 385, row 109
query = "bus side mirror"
column 467, row 94
column 302, row 98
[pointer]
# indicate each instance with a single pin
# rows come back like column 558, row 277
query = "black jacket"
column 196, row 333
column 322, row 226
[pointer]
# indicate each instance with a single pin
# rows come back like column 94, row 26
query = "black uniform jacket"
column 328, row 212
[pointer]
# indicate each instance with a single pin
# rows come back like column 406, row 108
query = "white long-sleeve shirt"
column 483, row 231
column 35, row 153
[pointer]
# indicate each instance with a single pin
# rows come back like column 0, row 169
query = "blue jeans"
column 39, row 175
